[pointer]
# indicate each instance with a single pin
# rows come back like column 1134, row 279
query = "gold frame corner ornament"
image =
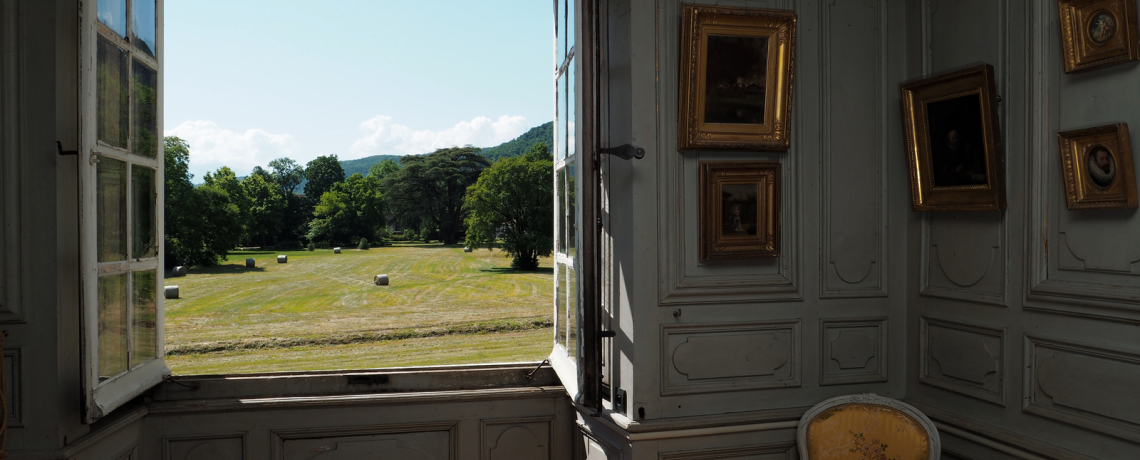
column 765, row 175
column 779, row 27
column 1081, row 50
column 1081, row 190
column 925, row 194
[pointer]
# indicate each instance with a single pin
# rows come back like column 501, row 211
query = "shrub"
column 363, row 244
column 312, row 246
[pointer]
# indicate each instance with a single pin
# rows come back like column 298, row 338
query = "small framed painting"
column 1097, row 168
column 1098, row 33
column 736, row 78
column 953, row 142
column 740, row 210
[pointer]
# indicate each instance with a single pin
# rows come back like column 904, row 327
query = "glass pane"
column 571, row 115
column 112, row 93
column 571, row 222
column 142, row 212
column 112, row 325
column 561, row 210
column 142, row 25
column 569, row 25
column 572, row 312
column 560, row 123
column 560, row 306
column 111, row 209
column 113, row 14
column 559, row 32
column 144, row 110
column 144, row 328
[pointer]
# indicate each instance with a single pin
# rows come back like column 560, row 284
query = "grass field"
column 322, row 311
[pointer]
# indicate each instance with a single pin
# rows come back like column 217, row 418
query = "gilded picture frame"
column 740, row 210
column 953, row 141
column 1098, row 33
column 1097, row 168
column 735, row 85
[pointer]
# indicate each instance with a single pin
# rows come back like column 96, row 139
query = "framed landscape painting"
column 1097, row 168
column 1098, row 33
column 736, row 78
column 953, row 142
column 740, row 210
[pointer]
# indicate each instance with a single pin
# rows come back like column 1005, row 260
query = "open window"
column 120, row 180
column 576, row 354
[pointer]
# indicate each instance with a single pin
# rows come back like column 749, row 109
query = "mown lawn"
column 322, row 311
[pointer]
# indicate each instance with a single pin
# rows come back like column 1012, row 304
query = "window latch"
column 59, row 148
column 625, row 152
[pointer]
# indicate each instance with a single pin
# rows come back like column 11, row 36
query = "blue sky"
column 249, row 81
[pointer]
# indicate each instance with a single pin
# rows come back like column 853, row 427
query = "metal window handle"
column 625, row 151
column 61, row 151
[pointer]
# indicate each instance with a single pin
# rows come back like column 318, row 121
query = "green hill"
column 519, row 145
column 362, row 165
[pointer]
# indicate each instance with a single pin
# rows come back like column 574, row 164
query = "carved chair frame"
column 872, row 399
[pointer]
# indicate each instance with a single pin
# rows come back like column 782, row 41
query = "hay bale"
column 336, row 250
column 178, row 271
column 282, row 259
column 250, row 263
column 467, row 249
column 171, row 292
column 381, row 280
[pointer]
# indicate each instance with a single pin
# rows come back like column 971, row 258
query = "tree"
column 287, row 174
column 322, row 172
column 266, row 209
column 514, row 200
column 202, row 223
column 383, row 169
column 226, row 179
column 430, row 189
column 351, row 211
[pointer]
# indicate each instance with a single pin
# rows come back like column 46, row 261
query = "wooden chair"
column 866, row 427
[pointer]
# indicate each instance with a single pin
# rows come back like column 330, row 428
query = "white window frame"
column 103, row 397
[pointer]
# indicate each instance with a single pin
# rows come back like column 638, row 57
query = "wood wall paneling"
column 777, row 451
column 227, row 446
column 964, row 359
column 506, row 439
column 729, row 357
column 413, row 441
column 853, row 351
column 11, row 222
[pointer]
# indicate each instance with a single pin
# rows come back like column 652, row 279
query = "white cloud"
column 212, row 147
column 385, row 137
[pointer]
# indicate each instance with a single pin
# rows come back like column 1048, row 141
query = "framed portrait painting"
column 740, row 210
column 736, row 78
column 953, row 142
column 1098, row 33
column 1097, row 168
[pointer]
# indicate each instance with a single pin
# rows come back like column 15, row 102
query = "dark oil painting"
column 736, row 78
column 957, row 142
column 1101, row 166
column 738, row 209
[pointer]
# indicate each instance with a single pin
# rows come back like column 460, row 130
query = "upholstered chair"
column 866, row 427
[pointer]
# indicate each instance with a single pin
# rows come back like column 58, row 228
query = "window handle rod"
column 61, row 151
column 625, row 151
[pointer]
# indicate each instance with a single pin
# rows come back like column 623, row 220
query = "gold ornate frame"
column 1080, row 191
column 1082, row 51
column 697, row 24
column 715, row 245
column 925, row 196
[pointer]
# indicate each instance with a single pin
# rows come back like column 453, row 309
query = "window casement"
column 576, row 353
column 121, row 218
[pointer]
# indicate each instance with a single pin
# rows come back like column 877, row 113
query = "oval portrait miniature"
column 1101, row 166
column 1102, row 27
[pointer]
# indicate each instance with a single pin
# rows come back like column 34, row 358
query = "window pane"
column 571, row 115
column 143, row 321
column 144, row 110
column 569, row 25
column 111, row 209
column 572, row 312
column 559, row 32
column 560, row 123
column 142, row 25
column 112, row 325
column 571, row 222
column 143, row 216
column 561, row 210
column 112, row 93
column 560, row 306
column 113, row 14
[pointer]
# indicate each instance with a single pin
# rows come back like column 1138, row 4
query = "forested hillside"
column 519, row 145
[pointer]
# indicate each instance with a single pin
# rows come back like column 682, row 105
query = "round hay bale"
column 250, row 263
column 171, row 292
column 282, row 259
column 381, row 280
column 336, row 250
column 178, row 271
column 467, row 249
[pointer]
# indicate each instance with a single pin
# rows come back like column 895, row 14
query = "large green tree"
column 202, row 223
column 266, row 209
column 514, row 200
column 352, row 210
column 226, row 179
column 322, row 173
column 384, row 169
column 287, row 175
column 430, row 189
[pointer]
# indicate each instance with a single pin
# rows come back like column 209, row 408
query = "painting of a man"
column 957, row 151
column 1101, row 166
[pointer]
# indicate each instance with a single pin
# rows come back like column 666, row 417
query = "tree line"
column 451, row 195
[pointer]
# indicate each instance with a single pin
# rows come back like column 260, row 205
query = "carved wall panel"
column 394, row 442
column 231, row 446
column 728, row 357
column 516, row 438
column 11, row 248
column 1086, row 386
column 13, row 383
column 682, row 278
column 854, row 149
column 964, row 359
column 782, row 451
column 853, row 351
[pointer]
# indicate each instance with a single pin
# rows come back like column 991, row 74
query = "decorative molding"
column 13, row 385
column 682, row 280
column 714, row 358
column 854, row 263
column 771, row 451
column 11, row 209
column 1083, row 385
column 222, row 446
column 853, row 351
column 969, row 360
column 499, row 447
column 943, row 418
column 331, row 435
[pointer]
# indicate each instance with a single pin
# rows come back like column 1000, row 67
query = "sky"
column 249, row 81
